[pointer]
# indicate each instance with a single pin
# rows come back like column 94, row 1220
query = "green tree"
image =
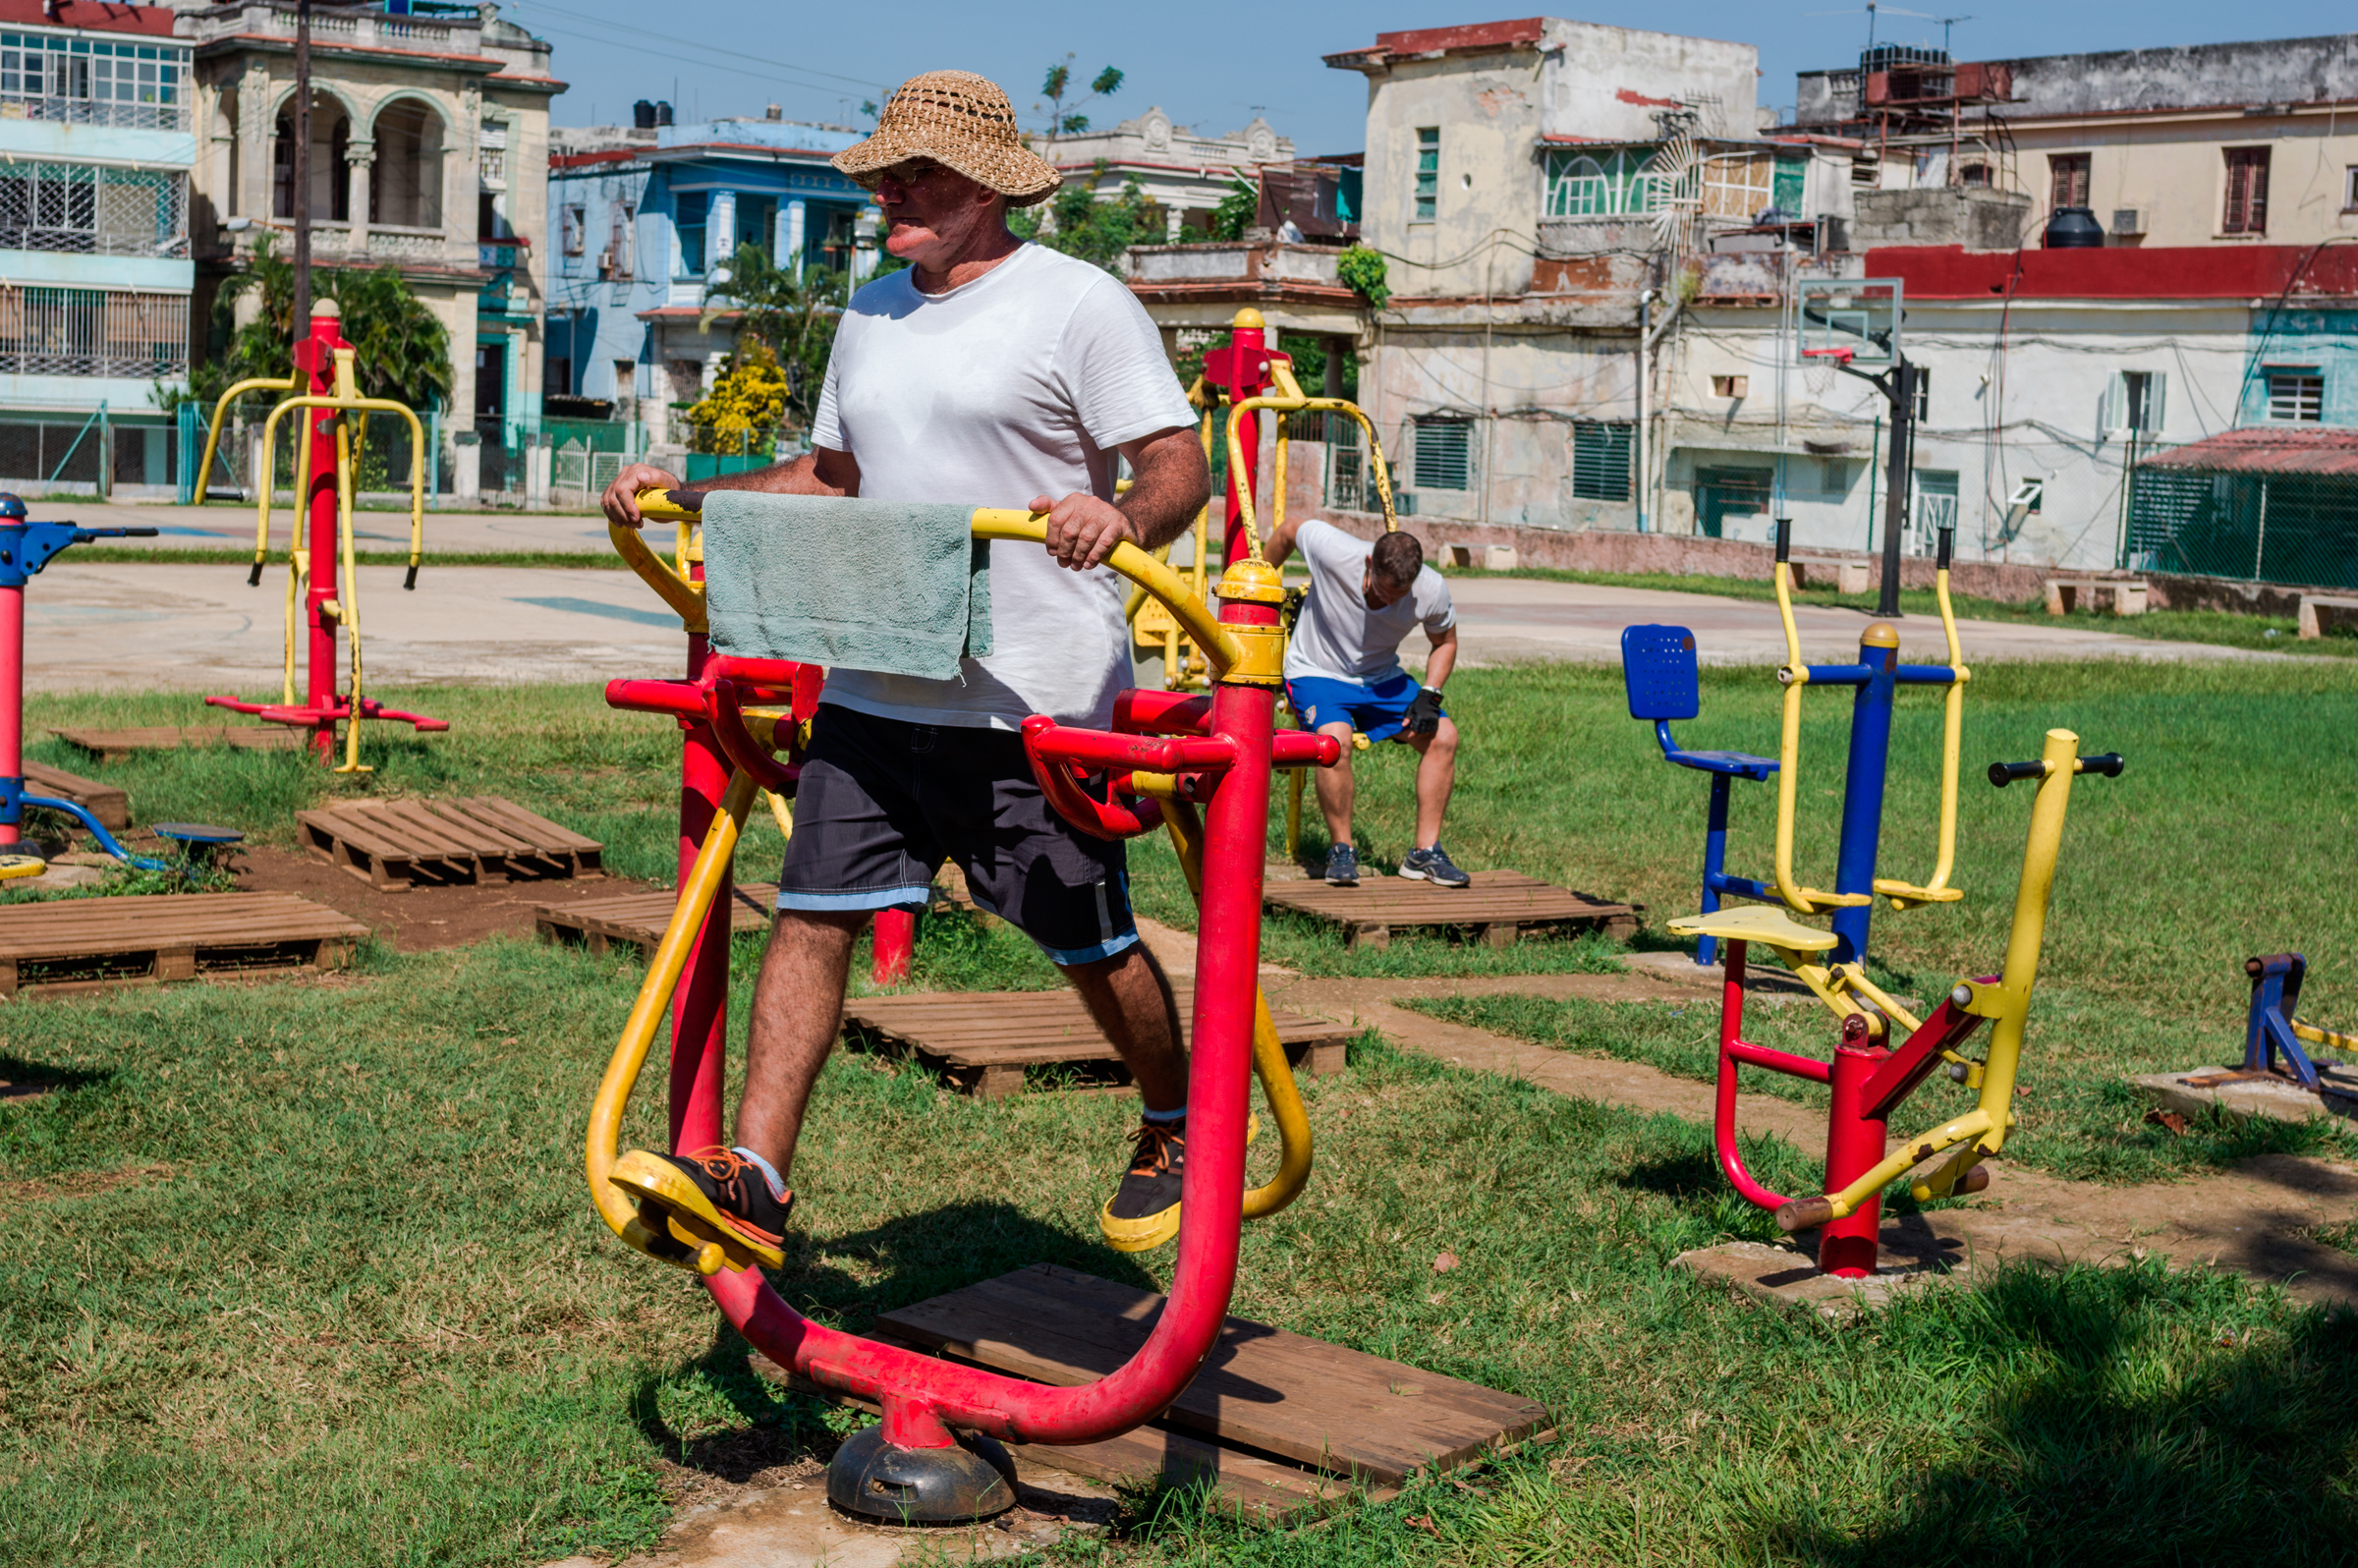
column 404, row 351
column 1079, row 224
column 742, row 413
column 1063, row 122
column 795, row 318
column 1236, row 211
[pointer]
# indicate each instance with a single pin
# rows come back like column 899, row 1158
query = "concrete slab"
column 1524, row 620
column 1784, row 1275
column 2277, row 1100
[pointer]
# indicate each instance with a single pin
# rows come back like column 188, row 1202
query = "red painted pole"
column 1854, row 1146
column 700, row 1007
column 893, row 946
column 319, row 506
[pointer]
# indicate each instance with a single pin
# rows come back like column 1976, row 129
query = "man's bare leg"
column 1334, row 785
column 797, row 1008
column 1436, row 776
column 1130, row 997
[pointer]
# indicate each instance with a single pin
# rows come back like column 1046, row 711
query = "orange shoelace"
column 1159, row 1145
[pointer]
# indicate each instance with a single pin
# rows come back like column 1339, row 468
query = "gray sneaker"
column 1342, row 865
column 1433, row 866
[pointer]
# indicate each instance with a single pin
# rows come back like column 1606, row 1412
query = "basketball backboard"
column 1851, row 320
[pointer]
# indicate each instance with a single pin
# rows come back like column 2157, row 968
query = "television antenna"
column 1873, row 10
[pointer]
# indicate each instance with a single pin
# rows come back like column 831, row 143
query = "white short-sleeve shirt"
column 1338, row 635
column 1021, row 383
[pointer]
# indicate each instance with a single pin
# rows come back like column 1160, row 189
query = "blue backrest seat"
column 1658, row 666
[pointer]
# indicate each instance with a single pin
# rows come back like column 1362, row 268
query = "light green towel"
column 898, row 587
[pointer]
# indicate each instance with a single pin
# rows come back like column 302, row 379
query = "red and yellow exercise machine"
column 320, row 600
column 1197, row 766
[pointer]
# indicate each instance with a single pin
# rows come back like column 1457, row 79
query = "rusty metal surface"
column 2261, row 450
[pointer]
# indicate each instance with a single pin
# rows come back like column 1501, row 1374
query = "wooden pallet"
column 1281, row 1424
column 395, row 845
column 1499, row 904
column 639, row 918
column 981, row 1042
column 113, row 746
column 111, row 805
column 63, row 946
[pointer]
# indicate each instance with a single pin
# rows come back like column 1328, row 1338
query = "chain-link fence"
column 2290, row 527
column 35, row 454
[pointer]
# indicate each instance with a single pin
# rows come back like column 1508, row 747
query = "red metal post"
column 700, row 1007
column 1854, row 1146
column 892, row 945
column 320, row 509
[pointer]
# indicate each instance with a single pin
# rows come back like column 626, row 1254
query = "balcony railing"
column 92, row 332
column 96, row 111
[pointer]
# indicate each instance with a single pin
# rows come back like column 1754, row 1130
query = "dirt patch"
column 78, row 1184
column 425, row 918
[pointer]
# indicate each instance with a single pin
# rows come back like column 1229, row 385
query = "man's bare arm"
column 1280, row 544
column 1169, row 484
column 820, row 472
column 1442, row 660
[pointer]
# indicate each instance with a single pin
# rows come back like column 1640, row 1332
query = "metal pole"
column 1895, row 500
column 1862, row 787
column 320, row 507
column 1638, row 473
column 302, row 313
column 1854, row 1146
column 12, row 682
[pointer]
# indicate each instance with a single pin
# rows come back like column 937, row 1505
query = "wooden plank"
column 529, row 826
column 1496, row 902
column 482, row 839
column 640, row 918
column 105, row 802
column 113, row 746
column 1263, row 1388
column 70, row 947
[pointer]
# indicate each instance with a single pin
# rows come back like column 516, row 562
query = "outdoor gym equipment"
column 1869, row 1078
column 2271, row 1028
column 1248, row 377
column 1659, row 670
column 326, row 481
column 26, row 547
column 1169, row 755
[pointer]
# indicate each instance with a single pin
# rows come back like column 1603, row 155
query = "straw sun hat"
column 961, row 121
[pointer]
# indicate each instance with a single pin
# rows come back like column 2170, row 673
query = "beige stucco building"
column 429, row 153
column 1183, row 171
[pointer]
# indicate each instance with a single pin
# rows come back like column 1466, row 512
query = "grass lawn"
column 2272, row 634
column 303, row 1271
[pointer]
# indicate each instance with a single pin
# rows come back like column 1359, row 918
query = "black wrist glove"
column 1423, row 713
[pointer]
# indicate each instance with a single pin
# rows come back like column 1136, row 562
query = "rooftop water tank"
column 2074, row 229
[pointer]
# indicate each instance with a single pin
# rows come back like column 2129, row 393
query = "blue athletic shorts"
column 1375, row 711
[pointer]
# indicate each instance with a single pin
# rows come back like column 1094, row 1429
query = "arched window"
column 406, row 191
column 331, row 162
column 1583, row 185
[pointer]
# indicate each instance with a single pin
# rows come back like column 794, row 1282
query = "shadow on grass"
column 19, row 1078
column 2132, row 1429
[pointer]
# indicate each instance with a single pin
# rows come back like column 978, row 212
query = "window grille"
column 93, row 81
column 1581, row 185
column 1601, row 453
column 1444, row 451
column 101, row 211
column 491, row 153
column 1738, row 185
column 2296, row 395
column 570, row 234
column 92, row 332
column 2247, row 192
column 1429, row 172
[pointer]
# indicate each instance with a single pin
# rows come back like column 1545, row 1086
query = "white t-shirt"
column 1338, row 635
column 1018, row 385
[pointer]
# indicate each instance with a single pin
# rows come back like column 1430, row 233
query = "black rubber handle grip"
column 1948, row 540
column 2002, row 774
column 253, row 579
column 409, row 583
column 1785, row 539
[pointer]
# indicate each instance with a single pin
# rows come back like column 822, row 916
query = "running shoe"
column 1433, row 866
column 1342, row 865
column 714, row 1206
column 1144, row 1212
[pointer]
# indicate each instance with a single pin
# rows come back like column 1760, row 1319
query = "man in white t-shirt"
column 997, row 373
column 1343, row 674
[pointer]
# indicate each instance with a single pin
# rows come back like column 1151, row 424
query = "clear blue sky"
column 1203, row 65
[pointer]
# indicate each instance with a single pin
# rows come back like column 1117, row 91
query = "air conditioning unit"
column 606, row 262
column 2128, row 220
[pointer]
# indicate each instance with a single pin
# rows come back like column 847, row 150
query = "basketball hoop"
column 1841, row 356
column 1817, row 368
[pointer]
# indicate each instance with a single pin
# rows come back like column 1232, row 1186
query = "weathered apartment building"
column 1597, row 237
column 1185, row 172
column 429, row 153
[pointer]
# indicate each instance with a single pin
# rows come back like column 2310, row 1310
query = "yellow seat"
column 1904, row 894
column 1753, row 923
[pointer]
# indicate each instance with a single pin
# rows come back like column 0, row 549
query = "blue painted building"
column 641, row 215
column 2303, row 368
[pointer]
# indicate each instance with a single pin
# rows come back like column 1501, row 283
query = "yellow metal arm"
column 213, row 433
column 1795, row 675
column 1904, row 895
column 343, row 404
column 988, row 522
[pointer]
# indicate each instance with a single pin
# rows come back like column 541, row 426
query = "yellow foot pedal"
column 679, row 1225
column 14, row 866
column 1149, row 1231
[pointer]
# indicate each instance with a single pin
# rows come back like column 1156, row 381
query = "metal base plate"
column 876, row 1479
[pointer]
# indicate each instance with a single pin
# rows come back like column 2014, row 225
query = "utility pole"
column 302, row 324
column 1900, row 389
